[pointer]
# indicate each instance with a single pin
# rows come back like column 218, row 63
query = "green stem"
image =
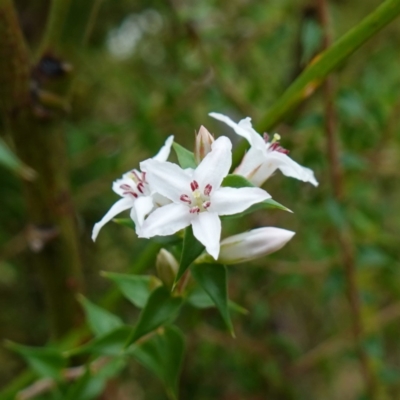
column 313, row 76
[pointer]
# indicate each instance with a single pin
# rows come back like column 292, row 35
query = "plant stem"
column 344, row 235
column 52, row 233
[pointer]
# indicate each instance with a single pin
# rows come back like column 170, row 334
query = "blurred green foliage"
column 151, row 69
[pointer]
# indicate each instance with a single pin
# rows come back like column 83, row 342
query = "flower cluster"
column 165, row 198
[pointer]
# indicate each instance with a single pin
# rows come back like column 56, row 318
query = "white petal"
column 141, row 207
column 243, row 128
column 207, row 230
column 251, row 162
column 215, row 165
column 228, row 201
column 163, row 153
column 253, row 244
column 166, row 178
column 119, row 206
column 166, row 220
column 276, row 160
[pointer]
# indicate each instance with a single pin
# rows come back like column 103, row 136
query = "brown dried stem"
column 344, row 235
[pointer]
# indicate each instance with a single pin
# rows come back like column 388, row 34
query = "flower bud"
column 204, row 140
column 167, row 267
column 253, row 244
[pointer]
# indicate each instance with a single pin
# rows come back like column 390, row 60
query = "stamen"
column 143, row 176
column 207, row 204
column 132, row 193
column 185, row 198
column 277, row 138
column 136, row 175
column 125, row 187
column 194, row 210
column 207, row 189
column 194, row 185
column 266, row 137
column 140, row 187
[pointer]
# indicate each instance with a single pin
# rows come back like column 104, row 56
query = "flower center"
column 197, row 201
column 139, row 187
column 275, row 145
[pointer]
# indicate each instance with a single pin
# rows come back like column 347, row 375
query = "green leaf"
column 92, row 383
column 237, row 181
column 213, row 279
column 111, row 344
column 327, row 61
column 198, row 298
column 160, row 308
column 135, row 288
column 12, row 162
column 192, row 248
column 46, row 362
column 100, row 320
column 163, row 355
column 185, row 157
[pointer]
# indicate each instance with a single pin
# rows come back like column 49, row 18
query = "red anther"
column 207, row 189
column 185, row 198
column 136, row 175
column 274, row 146
column 140, row 187
column 125, row 187
column 143, row 176
column 282, row 150
column 194, row 210
column 194, row 185
column 132, row 193
column 207, row 204
column 266, row 137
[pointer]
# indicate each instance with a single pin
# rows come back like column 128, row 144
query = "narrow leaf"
column 110, row 344
column 185, row 157
column 322, row 65
column 46, row 362
column 160, row 308
column 135, row 288
column 192, row 248
column 237, row 181
column 100, row 320
column 163, row 355
column 9, row 160
column 198, row 298
column 213, row 279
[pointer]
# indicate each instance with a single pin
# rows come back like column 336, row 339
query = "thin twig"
column 344, row 235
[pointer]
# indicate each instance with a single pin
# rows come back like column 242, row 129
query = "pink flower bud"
column 204, row 140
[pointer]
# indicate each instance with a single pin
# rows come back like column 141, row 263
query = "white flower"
column 136, row 194
column 253, row 244
column 264, row 157
column 197, row 196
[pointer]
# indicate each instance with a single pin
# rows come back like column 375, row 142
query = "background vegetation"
column 324, row 312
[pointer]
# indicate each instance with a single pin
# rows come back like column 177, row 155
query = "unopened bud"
column 167, row 267
column 253, row 244
column 204, row 140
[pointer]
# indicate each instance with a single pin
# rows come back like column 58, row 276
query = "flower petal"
column 251, row 162
column 228, row 201
column 118, row 207
column 166, row 220
column 163, row 153
column 215, row 165
column 166, row 178
column 141, row 207
column 207, row 230
column 244, row 128
column 276, row 160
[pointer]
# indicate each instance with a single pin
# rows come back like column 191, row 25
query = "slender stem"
column 344, row 235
